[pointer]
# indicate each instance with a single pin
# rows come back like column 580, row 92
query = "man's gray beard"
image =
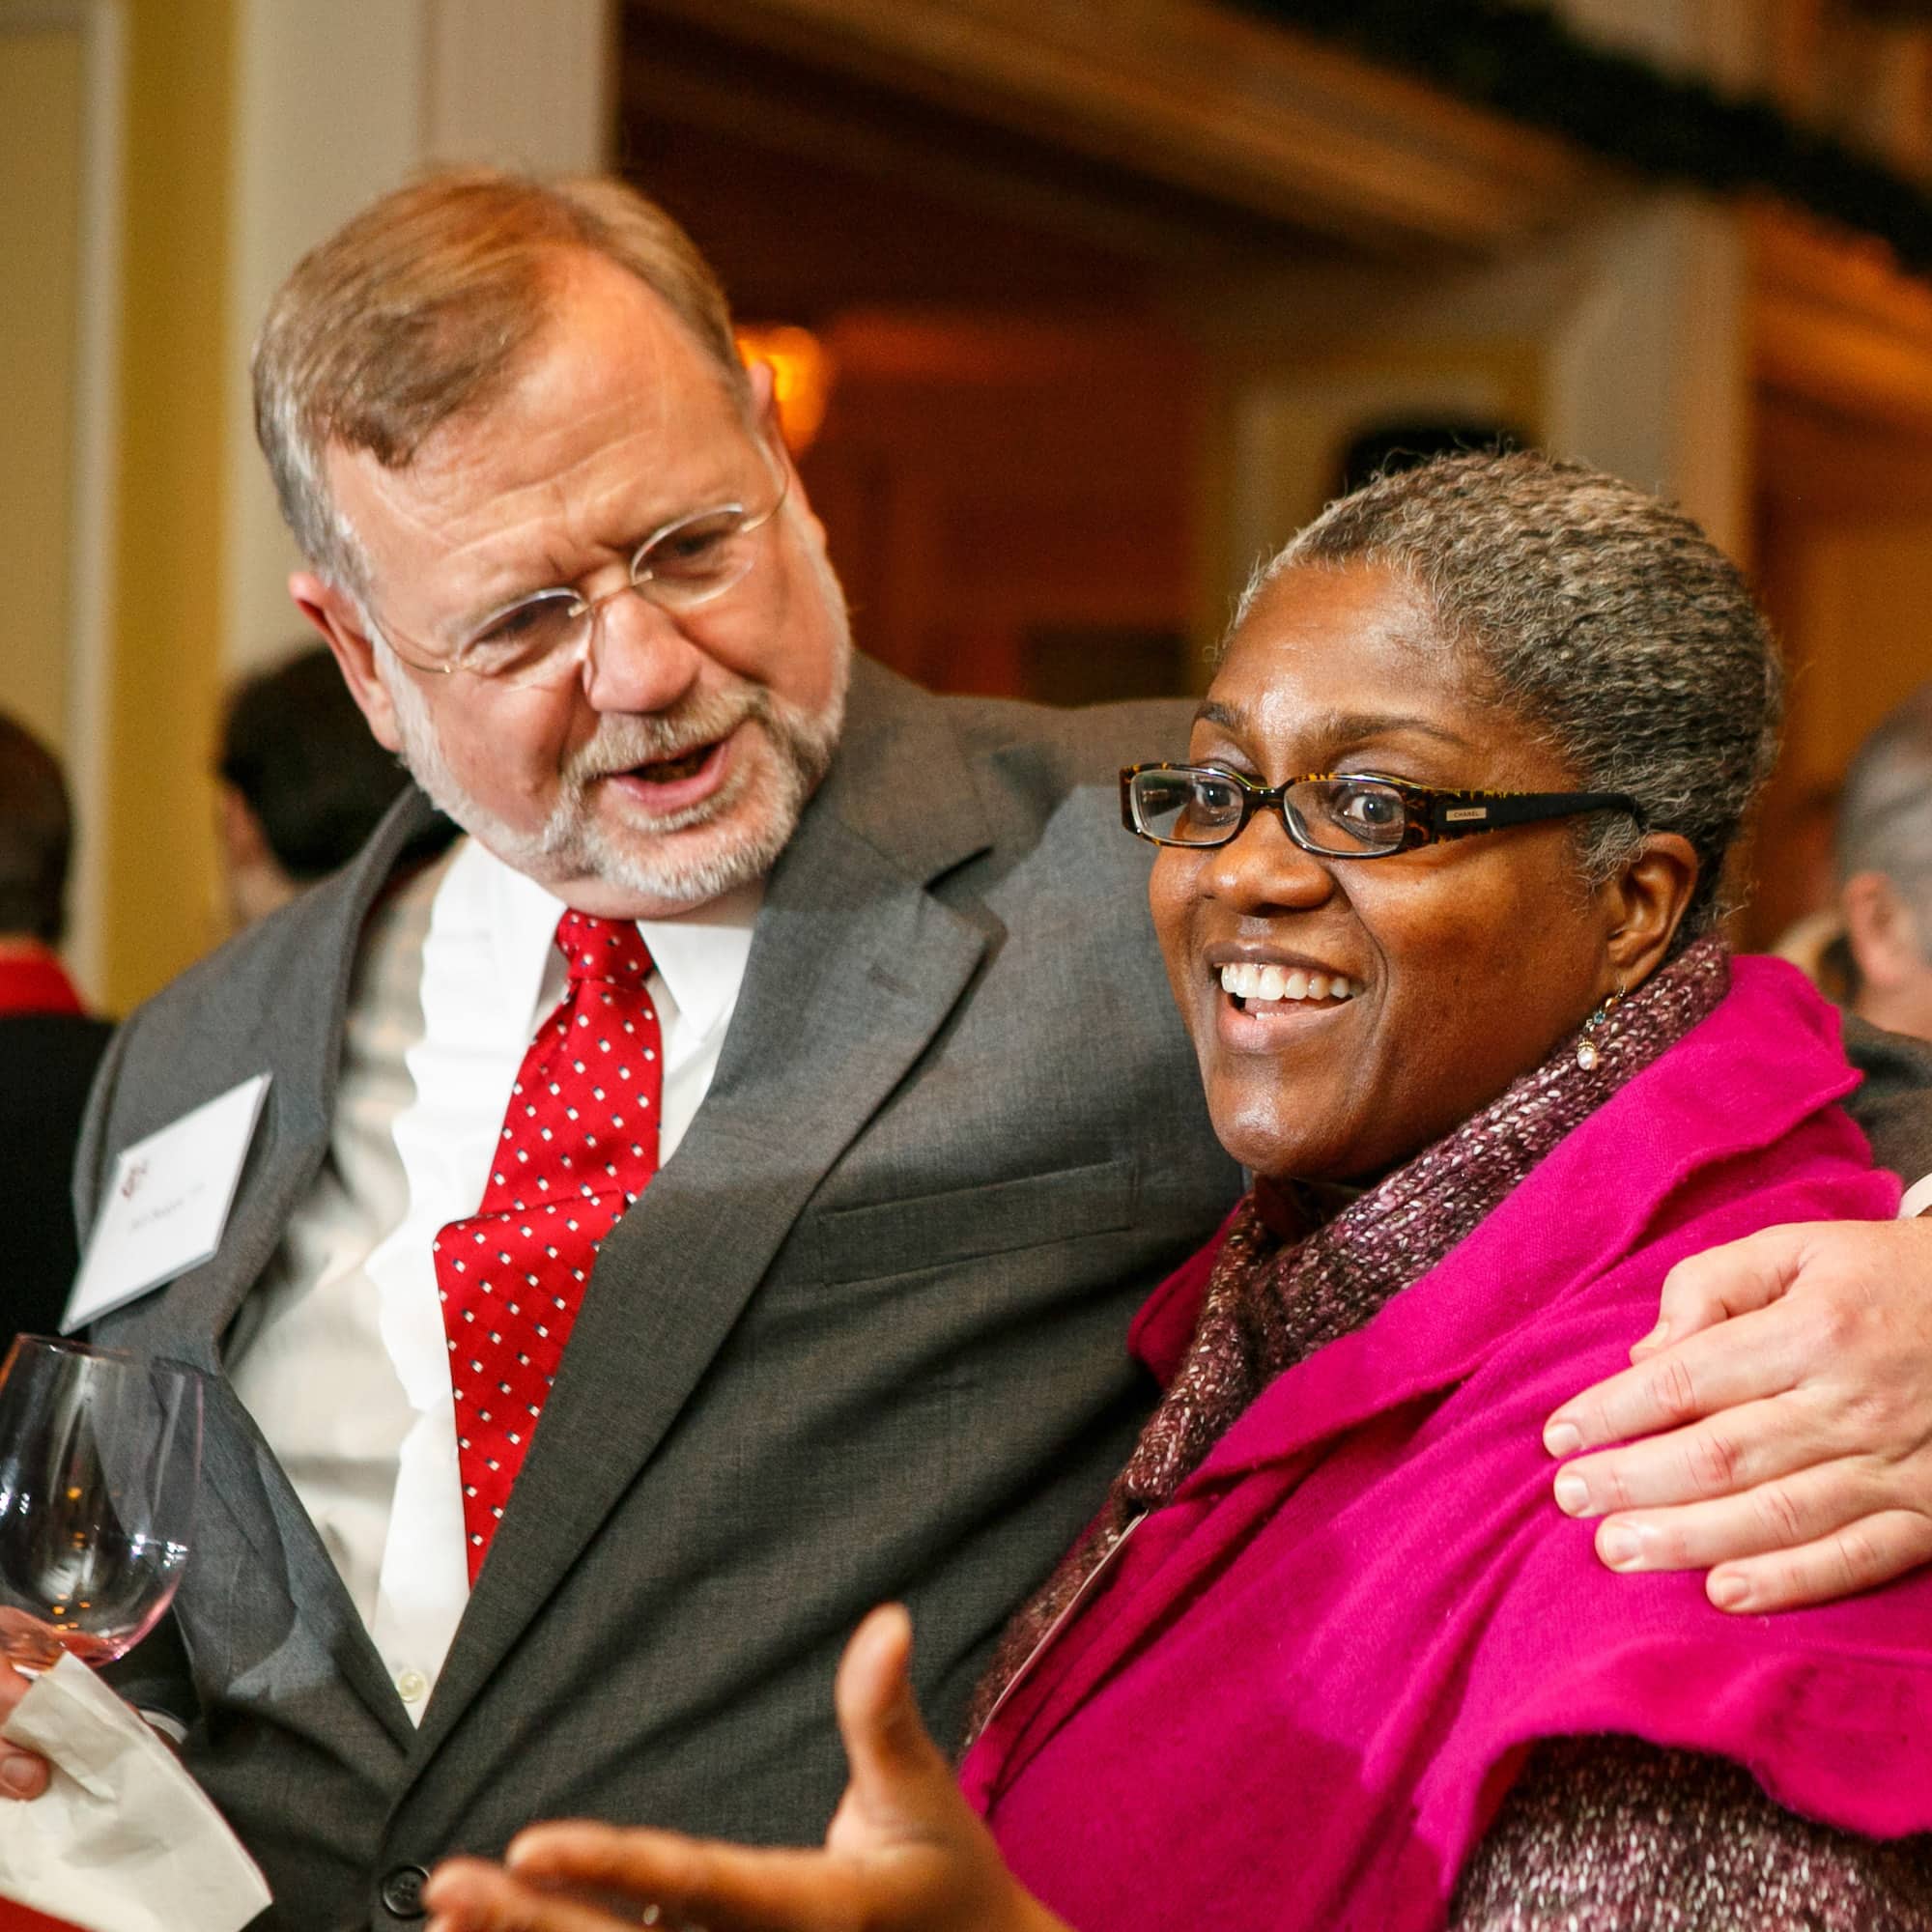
column 574, row 843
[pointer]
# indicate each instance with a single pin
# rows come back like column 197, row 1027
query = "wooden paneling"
column 1842, row 360
column 1005, row 498
column 814, row 189
column 1835, row 325
column 1195, row 96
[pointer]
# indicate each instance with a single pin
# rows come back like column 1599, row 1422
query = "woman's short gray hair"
column 1603, row 618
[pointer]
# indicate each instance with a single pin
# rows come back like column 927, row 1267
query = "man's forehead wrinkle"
column 358, row 474
column 416, row 530
column 612, row 423
column 450, row 487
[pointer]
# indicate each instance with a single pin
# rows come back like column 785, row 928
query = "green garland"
column 1526, row 62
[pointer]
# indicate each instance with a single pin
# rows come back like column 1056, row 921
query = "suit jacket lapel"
column 190, row 1319
column 854, row 967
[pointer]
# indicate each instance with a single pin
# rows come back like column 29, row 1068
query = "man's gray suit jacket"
column 860, row 1338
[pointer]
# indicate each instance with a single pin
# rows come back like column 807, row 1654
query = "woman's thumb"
column 900, row 1779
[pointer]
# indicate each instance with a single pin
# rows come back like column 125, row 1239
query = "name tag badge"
column 166, row 1203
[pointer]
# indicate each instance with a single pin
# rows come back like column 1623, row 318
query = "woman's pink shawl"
column 1300, row 1699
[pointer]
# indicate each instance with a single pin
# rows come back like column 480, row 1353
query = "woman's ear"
column 1646, row 902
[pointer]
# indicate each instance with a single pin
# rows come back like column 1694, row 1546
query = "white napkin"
column 121, row 1839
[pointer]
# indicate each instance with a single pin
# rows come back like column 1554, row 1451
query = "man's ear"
column 764, row 404
column 340, row 623
column 1880, row 931
column 1646, row 903
column 766, row 422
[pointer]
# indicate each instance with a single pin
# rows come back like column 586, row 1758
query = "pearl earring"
column 1589, row 1053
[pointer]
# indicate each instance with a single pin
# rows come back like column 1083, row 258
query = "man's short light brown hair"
column 418, row 309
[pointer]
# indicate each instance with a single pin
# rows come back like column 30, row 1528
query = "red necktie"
column 579, row 1141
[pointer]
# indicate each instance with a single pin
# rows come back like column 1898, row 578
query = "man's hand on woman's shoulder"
column 1777, row 1424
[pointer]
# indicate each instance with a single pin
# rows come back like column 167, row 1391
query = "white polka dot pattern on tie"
column 541, row 1242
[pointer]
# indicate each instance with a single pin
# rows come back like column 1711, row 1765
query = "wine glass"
column 99, row 1456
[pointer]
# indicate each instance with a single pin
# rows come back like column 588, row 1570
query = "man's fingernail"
column 20, row 1776
column 1729, row 1593
column 1619, row 1547
column 1573, row 1493
column 1563, row 1438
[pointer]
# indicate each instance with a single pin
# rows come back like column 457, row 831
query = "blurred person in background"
column 1884, row 953
column 49, row 1047
column 303, row 783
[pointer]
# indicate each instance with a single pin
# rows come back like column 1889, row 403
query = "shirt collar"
column 699, row 955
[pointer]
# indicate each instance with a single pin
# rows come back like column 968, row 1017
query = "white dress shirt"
column 341, row 1355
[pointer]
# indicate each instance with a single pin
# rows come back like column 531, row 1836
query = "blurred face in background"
column 1887, row 938
column 253, row 885
column 670, row 762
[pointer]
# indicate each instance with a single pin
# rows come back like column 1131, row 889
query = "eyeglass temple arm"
column 1456, row 818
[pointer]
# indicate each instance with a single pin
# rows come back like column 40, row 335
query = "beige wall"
column 113, row 167
column 41, row 133
column 158, row 876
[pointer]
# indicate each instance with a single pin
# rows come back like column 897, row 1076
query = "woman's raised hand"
column 904, row 1852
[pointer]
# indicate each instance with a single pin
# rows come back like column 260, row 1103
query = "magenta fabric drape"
column 1310, row 1680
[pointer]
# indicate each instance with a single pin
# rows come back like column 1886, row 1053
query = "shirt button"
column 413, row 1687
column 401, row 1891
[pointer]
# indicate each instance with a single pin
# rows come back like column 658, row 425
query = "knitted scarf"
column 1288, row 1281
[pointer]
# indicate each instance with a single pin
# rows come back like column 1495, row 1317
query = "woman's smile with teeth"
column 1247, row 981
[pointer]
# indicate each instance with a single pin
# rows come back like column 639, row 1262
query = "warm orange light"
column 802, row 371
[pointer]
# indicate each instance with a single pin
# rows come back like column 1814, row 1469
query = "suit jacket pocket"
column 962, row 1224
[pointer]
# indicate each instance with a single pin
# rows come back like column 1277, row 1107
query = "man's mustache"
column 621, row 743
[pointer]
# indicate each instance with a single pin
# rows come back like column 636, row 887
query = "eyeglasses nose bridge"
column 1257, row 805
column 1241, row 854
column 591, row 610
column 588, row 617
